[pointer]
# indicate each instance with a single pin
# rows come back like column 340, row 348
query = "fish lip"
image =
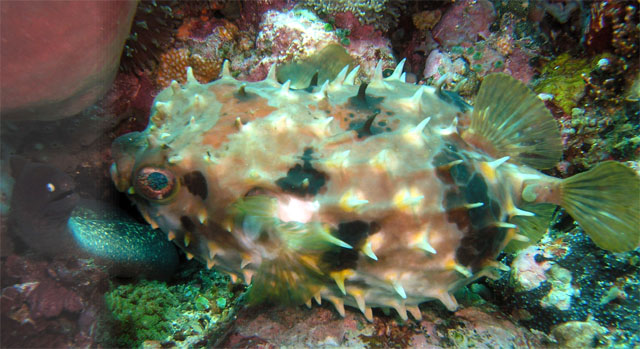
column 64, row 195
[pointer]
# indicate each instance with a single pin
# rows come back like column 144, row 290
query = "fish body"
column 384, row 194
column 50, row 218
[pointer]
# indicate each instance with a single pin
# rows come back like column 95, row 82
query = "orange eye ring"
column 155, row 183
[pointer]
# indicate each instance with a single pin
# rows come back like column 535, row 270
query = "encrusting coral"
column 382, row 14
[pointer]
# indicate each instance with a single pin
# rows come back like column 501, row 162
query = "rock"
column 58, row 58
column 578, row 334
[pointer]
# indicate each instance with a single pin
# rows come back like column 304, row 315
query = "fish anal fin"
column 532, row 227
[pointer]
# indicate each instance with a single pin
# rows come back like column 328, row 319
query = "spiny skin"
column 387, row 206
column 126, row 247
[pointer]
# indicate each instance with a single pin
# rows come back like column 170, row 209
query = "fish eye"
column 155, row 183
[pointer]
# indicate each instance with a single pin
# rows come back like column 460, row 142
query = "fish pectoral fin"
column 508, row 119
column 606, row 202
column 533, row 227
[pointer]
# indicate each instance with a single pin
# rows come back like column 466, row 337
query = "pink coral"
column 285, row 36
column 526, row 272
column 464, row 22
column 358, row 31
column 252, row 11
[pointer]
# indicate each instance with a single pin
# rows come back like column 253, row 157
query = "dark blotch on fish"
column 303, row 179
column 354, row 233
column 196, row 183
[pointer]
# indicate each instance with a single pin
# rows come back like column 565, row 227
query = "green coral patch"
column 154, row 311
column 562, row 78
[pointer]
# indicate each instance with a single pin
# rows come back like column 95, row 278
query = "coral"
column 593, row 135
column 614, row 27
column 438, row 64
column 278, row 326
column 203, row 44
column 49, row 303
column 293, row 34
column 606, row 82
column 426, row 20
column 152, row 31
column 383, row 15
column 369, row 53
column 358, row 31
column 529, row 269
column 284, row 37
column 578, row 268
column 181, row 314
column 467, row 65
column 562, row 291
column 580, row 334
column 142, row 312
column 173, row 66
column 464, row 21
column 252, row 12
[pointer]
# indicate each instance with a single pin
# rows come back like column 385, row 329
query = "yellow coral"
column 426, row 20
column 174, row 63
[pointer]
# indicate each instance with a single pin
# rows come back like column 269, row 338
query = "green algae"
column 562, row 77
column 154, row 311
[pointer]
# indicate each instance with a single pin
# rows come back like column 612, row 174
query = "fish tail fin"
column 508, row 119
column 606, row 202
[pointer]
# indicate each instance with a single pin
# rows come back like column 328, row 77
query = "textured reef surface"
column 419, row 174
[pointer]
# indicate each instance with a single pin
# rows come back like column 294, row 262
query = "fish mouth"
column 63, row 196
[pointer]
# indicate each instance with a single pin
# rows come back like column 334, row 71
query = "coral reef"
column 426, row 20
column 186, row 313
column 383, row 15
column 174, row 63
column 594, row 135
column 286, row 36
column 581, row 57
column 580, row 334
column 465, row 21
column 575, row 282
column 472, row 326
column 152, row 32
column 562, row 78
column 49, row 304
column 465, row 61
column 614, row 27
column 252, row 12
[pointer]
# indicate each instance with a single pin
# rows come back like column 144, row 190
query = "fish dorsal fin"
column 321, row 66
column 508, row 119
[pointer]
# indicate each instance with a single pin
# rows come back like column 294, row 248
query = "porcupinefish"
column 50, row 218
column 384, row 194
